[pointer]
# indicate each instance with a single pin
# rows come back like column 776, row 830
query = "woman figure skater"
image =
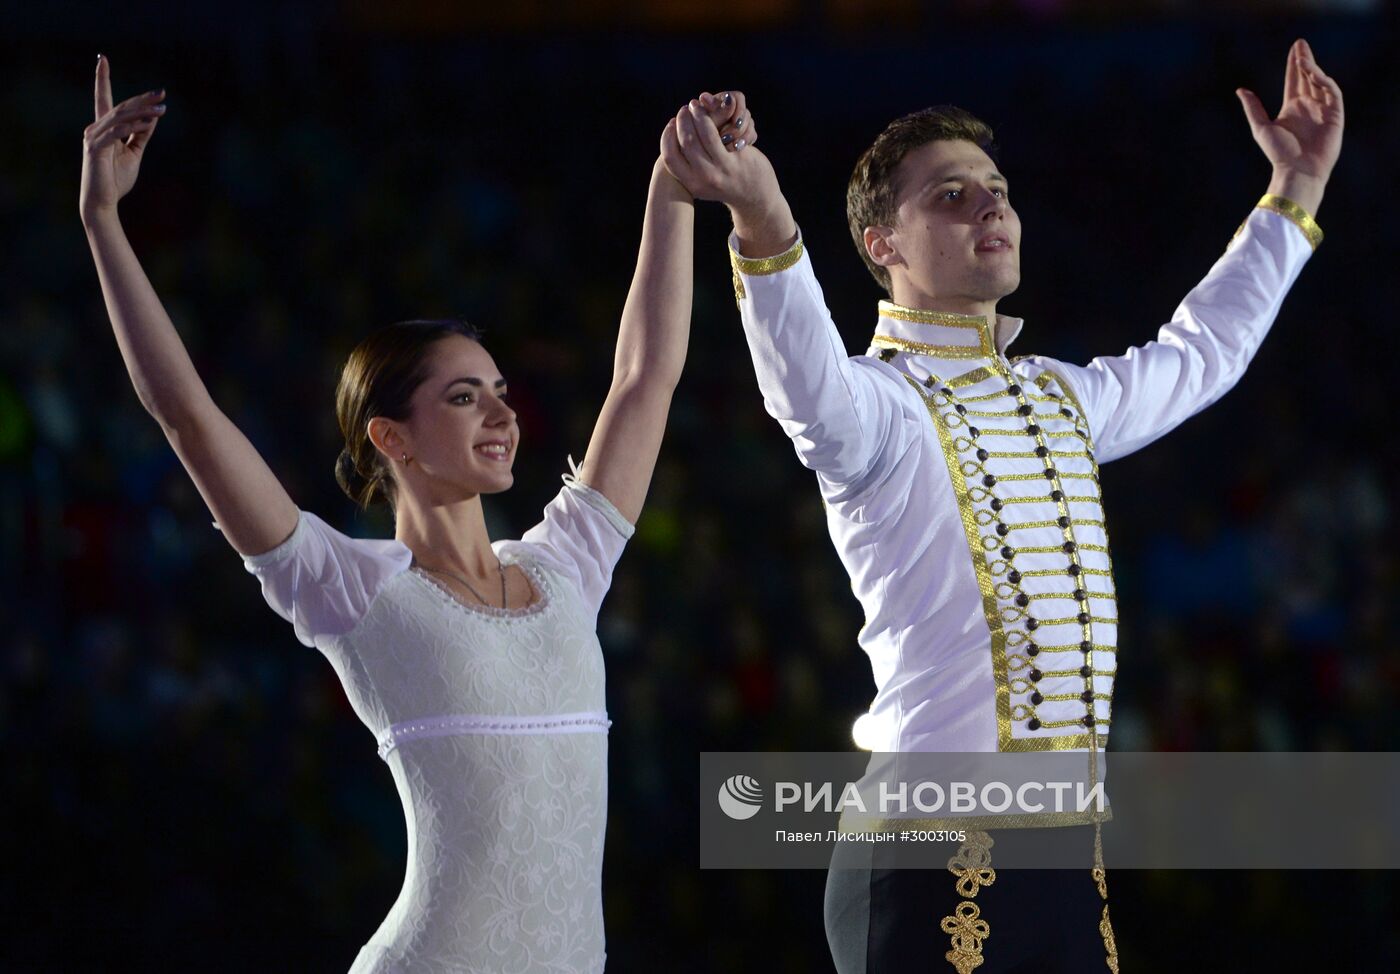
column 475, row 663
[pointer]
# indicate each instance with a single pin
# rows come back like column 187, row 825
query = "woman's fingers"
column 101, row 89
column 728, row 113
column 138, row 102
column 141, row 134
column 119, row 132
column 126, row 112
column 101, row 135
column 143, row 105
column 749, row 134
column 738, row 106
column 738, row 115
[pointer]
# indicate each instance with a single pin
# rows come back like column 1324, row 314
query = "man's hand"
column 708, row 147
column 1303, row 142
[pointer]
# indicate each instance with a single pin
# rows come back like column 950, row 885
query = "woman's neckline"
column 534, row 607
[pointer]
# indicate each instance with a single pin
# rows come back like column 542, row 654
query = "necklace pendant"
column 500, row 569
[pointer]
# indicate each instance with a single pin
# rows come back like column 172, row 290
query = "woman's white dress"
column 494, row 725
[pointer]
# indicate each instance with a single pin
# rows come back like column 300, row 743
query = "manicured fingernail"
column 740, row 123
column 727, row 97
column 741, row 143
column 727, row 139
column 159, row 109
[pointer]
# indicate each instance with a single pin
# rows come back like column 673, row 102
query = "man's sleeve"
column 1132, row 399
column 837, row 413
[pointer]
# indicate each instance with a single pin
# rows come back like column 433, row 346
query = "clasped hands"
column 707, row 147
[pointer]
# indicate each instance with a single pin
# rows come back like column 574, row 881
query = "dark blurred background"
column 185, row 787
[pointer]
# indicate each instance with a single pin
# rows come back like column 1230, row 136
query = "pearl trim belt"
column 590, row 722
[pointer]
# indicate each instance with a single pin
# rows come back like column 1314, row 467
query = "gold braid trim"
column 1285, row 207
column 1109, row 944
column 972, row 864
column 755, row 266
column 968, row 931
column 890, row 342
column 888, row 309
column 761, row 265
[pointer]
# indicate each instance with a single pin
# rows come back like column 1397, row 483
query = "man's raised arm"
column 1133, row 399
column 838, row 413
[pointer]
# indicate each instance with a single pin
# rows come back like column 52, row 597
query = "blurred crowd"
column 183, row 775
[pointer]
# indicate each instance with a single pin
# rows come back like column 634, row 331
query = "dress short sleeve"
column 582, row 536
column 323, row 581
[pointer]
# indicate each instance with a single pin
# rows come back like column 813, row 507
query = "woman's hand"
column 113, row 144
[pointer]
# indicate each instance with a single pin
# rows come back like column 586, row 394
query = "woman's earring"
column 405, row 458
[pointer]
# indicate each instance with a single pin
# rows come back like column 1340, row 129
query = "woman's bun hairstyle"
column 379, row 379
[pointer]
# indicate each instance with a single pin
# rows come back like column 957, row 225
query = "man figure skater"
column 962, row 489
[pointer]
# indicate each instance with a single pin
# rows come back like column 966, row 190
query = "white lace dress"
column 494, row 726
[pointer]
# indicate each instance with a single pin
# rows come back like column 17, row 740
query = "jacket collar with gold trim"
column 941, row 334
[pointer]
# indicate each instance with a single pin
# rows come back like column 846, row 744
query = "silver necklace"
column 501, row 569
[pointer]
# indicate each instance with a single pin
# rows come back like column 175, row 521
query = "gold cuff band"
column 754, row 266
column 1285, row 207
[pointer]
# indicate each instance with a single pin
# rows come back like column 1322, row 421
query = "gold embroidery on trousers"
column 1110, row 945
column 972, row 864
column 968, row 932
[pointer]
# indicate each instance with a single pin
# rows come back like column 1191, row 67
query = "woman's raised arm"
column 654, row 332
column 249, row 504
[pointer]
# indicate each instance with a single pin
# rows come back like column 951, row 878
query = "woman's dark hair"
column 379, row 379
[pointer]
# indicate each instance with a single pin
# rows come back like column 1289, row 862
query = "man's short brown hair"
column 870, row 193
